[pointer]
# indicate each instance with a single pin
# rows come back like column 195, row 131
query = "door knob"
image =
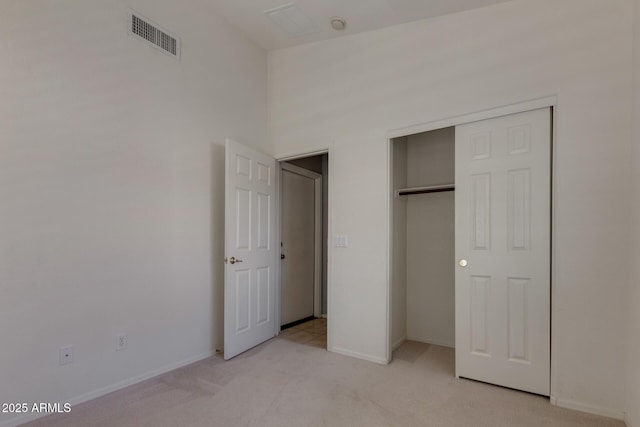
column 233, row 260
column 463, row 263
column 282, row 256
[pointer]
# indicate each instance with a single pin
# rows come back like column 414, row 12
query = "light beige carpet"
column 287, row 383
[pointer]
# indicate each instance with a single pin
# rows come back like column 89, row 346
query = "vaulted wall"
column 347, row 94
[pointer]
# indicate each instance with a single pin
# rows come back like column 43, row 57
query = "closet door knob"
column 463, row 263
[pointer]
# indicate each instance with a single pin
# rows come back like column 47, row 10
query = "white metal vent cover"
column 153, row 34
column 290, row 19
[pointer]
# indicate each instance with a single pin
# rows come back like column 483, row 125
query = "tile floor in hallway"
column 312, row 333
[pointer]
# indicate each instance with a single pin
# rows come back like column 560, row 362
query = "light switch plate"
column 340, row 241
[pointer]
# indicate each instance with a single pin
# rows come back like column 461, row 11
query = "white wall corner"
column 398, row 343
column 357, row 355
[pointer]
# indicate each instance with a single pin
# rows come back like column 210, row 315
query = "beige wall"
column 633, row 374
column 111, row 189
column 347, row 94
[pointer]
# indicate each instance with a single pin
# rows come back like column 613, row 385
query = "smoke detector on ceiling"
column 338, row 23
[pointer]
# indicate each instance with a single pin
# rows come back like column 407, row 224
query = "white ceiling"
column 361, row 15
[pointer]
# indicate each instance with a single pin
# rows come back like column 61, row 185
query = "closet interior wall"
column 423, row 263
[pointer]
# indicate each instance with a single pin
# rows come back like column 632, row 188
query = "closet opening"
column 423, row 237
column 470, row 258
column 303, row 245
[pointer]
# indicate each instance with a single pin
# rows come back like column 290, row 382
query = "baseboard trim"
column 430, row 341
column 590, row 409
column 398, row 343
column 357, row 355
column 110, row 388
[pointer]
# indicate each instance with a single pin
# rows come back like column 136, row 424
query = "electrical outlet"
column 66, row 355
column 121, row 342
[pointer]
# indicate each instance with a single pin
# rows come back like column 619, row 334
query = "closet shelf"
column 424, row 190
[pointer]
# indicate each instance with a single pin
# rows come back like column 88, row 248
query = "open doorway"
column 303, row 230
column 253, row 264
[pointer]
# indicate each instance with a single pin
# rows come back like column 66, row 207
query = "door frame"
column 546, row 102
column 317, row 239
column 279, row 162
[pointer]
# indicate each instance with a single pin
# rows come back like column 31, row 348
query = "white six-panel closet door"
column 503, row 223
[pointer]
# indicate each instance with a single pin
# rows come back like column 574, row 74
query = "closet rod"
column 425, row 190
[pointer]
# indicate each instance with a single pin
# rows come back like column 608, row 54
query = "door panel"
column 519, row 209
column 481, row 211
column 503, row 231
column 249, row 304
column 298, row 245
column 480, row 288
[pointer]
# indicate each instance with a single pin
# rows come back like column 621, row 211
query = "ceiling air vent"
column 154, row 35
column 290, row 19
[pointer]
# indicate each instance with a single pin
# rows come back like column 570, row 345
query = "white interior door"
column 300, row 212
column 503, row 247
column 250, row 252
